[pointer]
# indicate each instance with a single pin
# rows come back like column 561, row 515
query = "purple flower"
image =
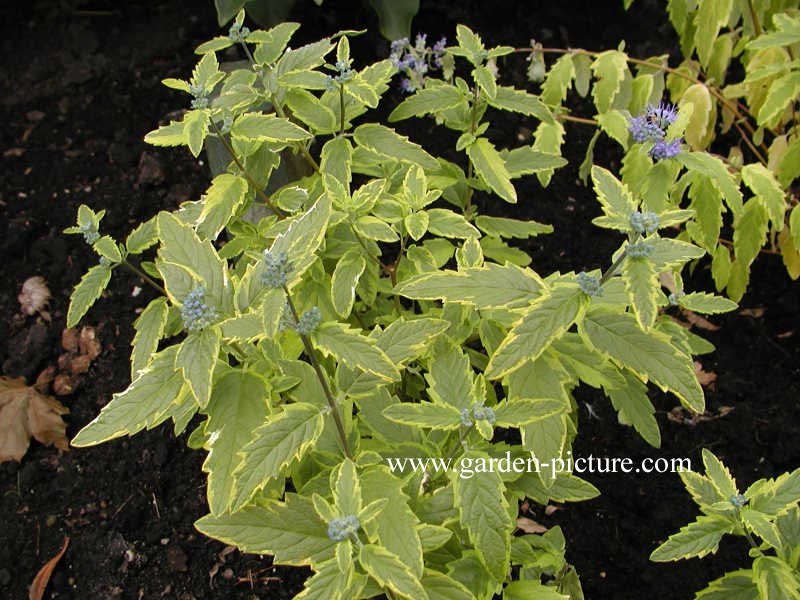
column 421, row 42
column 662, row 115
column 665, row 149
column 407, row 85
column 643, row 130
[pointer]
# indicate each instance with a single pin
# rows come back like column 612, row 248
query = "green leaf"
column 446, row 223
column 336, row 160
column 635, row 408
column 389, row 144
column 328, row 583
column 273, row 42
column 734, row 585
column 239, row 403
column 107, row 248
column 224, row 197
column 390, row 572
column 485, row 80
column 441, row 587
column 520, row 101
column 374, row 229
column 289, row 531
column 521, row 411
column 143, row 237
column 283, row 438
column 395, row 16
column 775, row 578
column 710, row 17
column 531, row 590
column 642, row 287
column 354, row 350
column 721, row 267
column 424, row 414
column 695, row 539
column 470, row 43
column 525, row 160
column 196, row 359
column 180, row 245
column 195, row 128
column 142, row 405
column 648, row 354
column 615, row 125
column 548, row 139
column 405, row 340
column 396, row 525
column 558, row 81
column 719, row 475
column 751, row 232
column 782, row 92
column 764, row 185
column 301, row 239
column 700, row 127
column 610, row 68
column 167, row 135
column 704, row 303
column 87, row 292
column 490, row 166
column 669, row 253
column 417, row 224
column 490, row 286
column 614, row 196
column 344, row 280
column 306, row 107
column 483, row 511
column 429, row 100
column 254, row 127
column 149, row 330
column 547, row 318
column 718, row 175
column 511, row 228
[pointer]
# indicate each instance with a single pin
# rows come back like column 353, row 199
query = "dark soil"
column 81, row 85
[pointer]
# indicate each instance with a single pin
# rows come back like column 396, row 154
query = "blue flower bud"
column 237, row 33
column 674, row 298
column 277, row 269
column 640, row 249
column 341, row 528
column 665, row 149
column 465, row 417
column 590, row 285
column 644, row 223
column 196, row 313
column 309, row 321
column 739, row 500
column 483, row 413
column 200, row 103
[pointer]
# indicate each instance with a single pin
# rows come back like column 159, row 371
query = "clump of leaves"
column 25, row 414
column 766, row 514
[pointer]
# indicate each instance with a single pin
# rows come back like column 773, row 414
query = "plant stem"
column 312, row 357
column 609, row 273
column 147, row 279
column 341, row 108
column 245, row 174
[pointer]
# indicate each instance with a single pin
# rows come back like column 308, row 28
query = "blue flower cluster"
column 674, row 298
column 196, row 313
column 414, row 61
column 90, row 233
column 640, row 249
column 277, row 269
column 644, row 223
column 341, row 528
column 309, row 320
column 652, row 127
column 739, row 500
column 589, row 284
column 238, row 34
column 200, row 94
column 344, row 74
column 483, row 413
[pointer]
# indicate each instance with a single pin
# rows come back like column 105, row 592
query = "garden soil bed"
column 81, row 85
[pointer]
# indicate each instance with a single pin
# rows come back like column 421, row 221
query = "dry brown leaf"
column 530, row 526
column 88, row 344
column 706, row 378
column 25, row 413
column 698, row 321
column 39, row 584
column 34, row 296
column 756, row 313
column 551, row 509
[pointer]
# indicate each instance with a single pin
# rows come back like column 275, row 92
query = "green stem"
column 261, row 194
column 756, row 24
column 133, row 268
column 609, row 273
column 341, row 108
column 312, row 357
column 472, row 128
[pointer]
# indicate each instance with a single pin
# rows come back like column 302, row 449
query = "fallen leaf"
column 25, row 413
column 706, row 378
column 551, row 509
column 43, row 576
column 530, row 526
column 69, row 340
column 698, row 321
column 15, row 152
column 756, row 313
column 88, row 344
column 34, row 295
